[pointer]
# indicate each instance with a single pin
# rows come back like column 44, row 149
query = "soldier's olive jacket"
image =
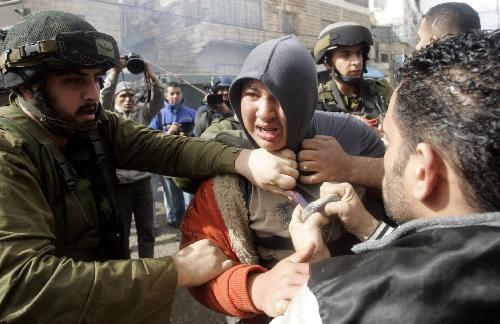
column 46, row 279
column 327, row 101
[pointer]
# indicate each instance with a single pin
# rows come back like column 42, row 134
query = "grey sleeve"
column 157, row 100
column 108, row 92
column 355, row 137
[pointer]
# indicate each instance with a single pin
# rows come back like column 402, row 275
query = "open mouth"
column 267, row 133
column 87, row 112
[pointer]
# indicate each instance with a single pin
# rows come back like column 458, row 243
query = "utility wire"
column 195, row 18
column 158, row 66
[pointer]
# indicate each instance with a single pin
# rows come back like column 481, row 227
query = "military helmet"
column 342, row 33
column 54, row 40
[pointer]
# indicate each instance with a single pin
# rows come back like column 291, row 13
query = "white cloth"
column 302, row 309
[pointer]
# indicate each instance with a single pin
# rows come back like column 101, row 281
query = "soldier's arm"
column 386, row 90
column 38, row 286
column 139, row 148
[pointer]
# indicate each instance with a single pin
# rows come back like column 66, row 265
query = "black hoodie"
column 289, row 72
column 287, row 69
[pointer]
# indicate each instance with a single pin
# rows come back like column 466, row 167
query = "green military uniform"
column 354, row 105
column 54, row 265
column 228, row 126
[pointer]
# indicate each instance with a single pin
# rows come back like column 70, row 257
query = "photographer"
column 215, row 106
column 134, row 189
column 176, row 119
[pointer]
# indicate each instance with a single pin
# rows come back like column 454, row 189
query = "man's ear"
column 433, row 39
column 26, row 91
column 427, row 171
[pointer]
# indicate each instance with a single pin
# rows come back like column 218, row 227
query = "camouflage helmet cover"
column 54, row 40
column 342, row 33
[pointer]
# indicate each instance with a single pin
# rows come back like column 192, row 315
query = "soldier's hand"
column 272, row 291
column 199, row 262
column 324, row 156
column 349, row 209
column 270, row 171
column 310, row 230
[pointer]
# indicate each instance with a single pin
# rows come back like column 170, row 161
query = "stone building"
column 394, row 25
column 214, row 36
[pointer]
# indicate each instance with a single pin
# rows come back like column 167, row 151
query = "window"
column 384, row 58
column 362, row 3
column 380, row 4
column 289, row 25
column 193, row 13
column 242, row 13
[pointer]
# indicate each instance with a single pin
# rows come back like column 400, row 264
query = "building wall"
column 104, row 17
column 395, row 25
column 211, row 36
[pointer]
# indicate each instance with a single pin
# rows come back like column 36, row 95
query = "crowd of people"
column 336, row 200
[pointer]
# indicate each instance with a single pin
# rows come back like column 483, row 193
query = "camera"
column 135, row 64
column 213, row 98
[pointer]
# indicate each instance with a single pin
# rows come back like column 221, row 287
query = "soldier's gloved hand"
column 349, row 209
column 199, row 262
column 272, row 291
column 270, row 171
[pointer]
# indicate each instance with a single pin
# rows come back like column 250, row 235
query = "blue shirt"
column 170, row 114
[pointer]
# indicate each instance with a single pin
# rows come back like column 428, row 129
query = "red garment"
column 228, row 293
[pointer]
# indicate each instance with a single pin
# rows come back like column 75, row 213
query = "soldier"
column 59, row 226
column 343, row 49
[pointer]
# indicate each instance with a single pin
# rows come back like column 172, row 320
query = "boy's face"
column 263, row 116
column 173, row 95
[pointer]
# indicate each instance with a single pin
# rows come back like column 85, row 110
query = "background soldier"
column 343, row 48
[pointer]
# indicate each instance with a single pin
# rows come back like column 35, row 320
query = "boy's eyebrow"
column 249, row 86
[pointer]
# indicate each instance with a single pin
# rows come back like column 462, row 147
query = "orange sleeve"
column 228, row 293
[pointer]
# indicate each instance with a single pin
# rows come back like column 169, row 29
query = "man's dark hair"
column 452, row 18
column 172, row 85
column 449, row 98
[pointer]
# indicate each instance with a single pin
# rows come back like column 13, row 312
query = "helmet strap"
column 52, row 121
column 348, row 80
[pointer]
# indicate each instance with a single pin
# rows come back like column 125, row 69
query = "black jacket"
column 443, row 270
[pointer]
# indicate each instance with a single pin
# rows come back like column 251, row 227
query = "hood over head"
column 288, row 71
